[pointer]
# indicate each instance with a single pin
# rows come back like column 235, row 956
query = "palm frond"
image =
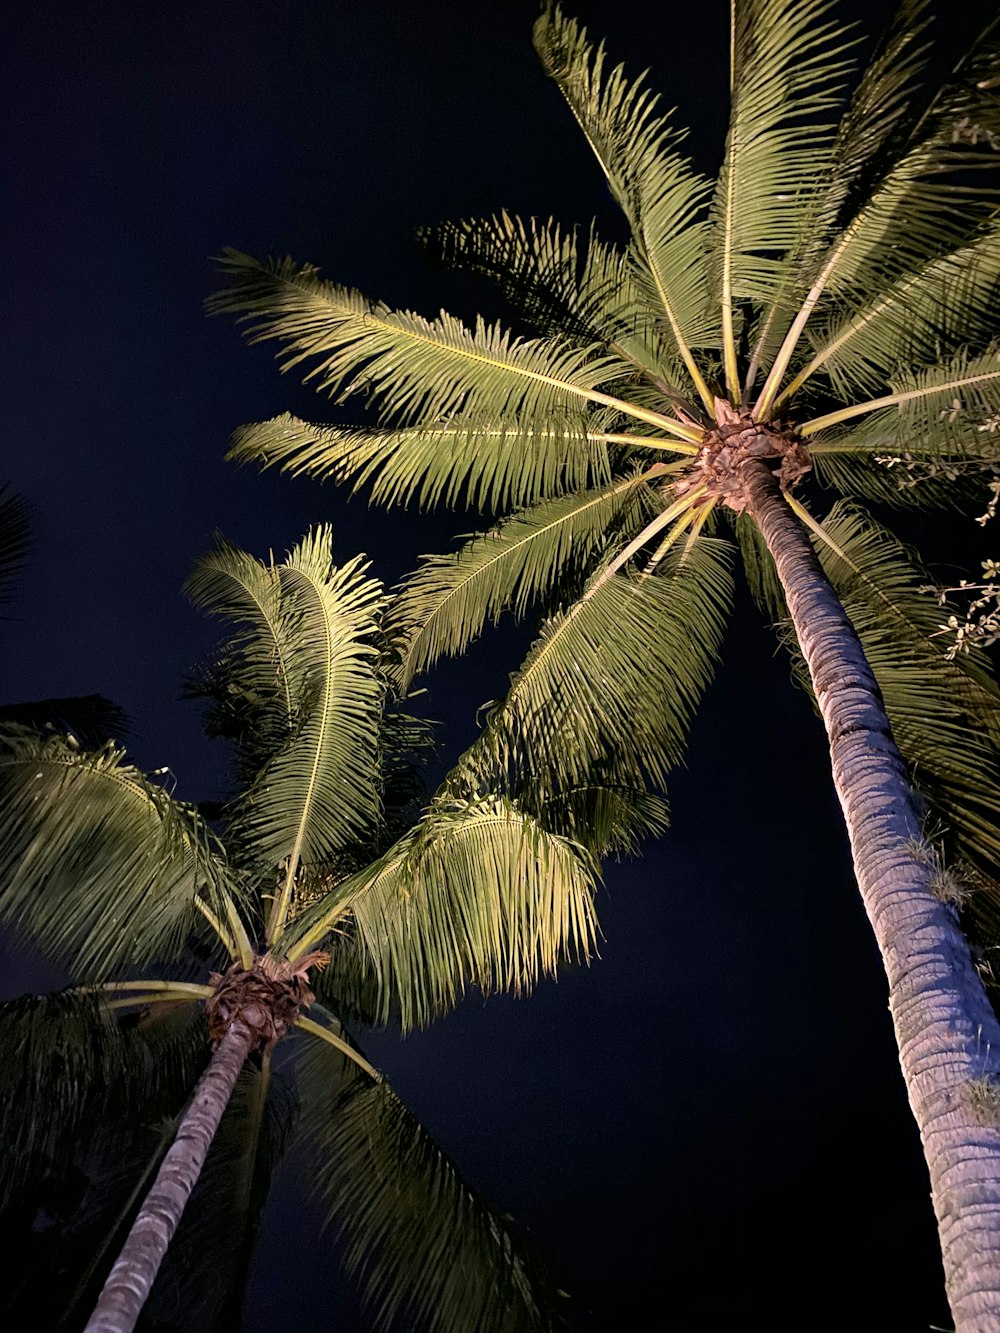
column 479, row 893
column 662, row 197
column 426, row 1250
column 15, row 536
column 564, row 284
column 786, row 76
column 619, row 674
column 310, row 644
column 938, row 408
column 89, row 718
column 98, row 863
column 948, row 303
column 421, row 372
column 443, row 607
column 480, row 466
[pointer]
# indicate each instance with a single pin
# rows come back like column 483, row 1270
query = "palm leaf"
column 786, row 75
column 562, row 284
column 443, row 606
column 100, row 865
column 425, row 1248
column 661, row 196
column 617, row 676
column 479, row 466
column 479, row 893
column 319, row 792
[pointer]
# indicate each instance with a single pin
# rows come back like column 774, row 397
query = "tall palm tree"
column 324, row 859
column 824, row 307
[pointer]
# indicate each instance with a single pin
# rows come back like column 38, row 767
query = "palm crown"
column 827, row 303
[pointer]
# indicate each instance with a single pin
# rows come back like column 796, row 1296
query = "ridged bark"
column 946, row 1031
column 135, row 1269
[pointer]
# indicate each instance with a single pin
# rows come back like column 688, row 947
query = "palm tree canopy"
column 834, row 288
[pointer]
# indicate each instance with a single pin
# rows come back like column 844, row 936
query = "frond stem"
column 891, row 400
column 318, row 1030
column 681, row 506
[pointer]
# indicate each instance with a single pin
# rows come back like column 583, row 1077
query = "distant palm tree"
column 826, row 306
column 323, row 860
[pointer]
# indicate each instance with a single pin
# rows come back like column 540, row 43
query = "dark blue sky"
column 710, row 1118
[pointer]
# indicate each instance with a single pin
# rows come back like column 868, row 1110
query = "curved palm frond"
column 98, row 863
column 786, row 78
column 462, row 463
column 662, row 197
column 615, row 678
column 420, row 371
column 479, row 893
column 565, row 286
column 443, row 606
column 426, row 1249
column 319, row 792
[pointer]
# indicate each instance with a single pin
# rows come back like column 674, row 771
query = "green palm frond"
column 662, row 197
column 479, row 893
column 786, row 76
column 417, row 370
column 426, row 1250
column 949, row 302
column 945, row 715
column 938, row 409
column 462, row 463
column 443, row 607
column 619, row 674
column 320, row 790
column 99, row 865
column 88, row 718
column 607, row 817
column 563, row 284
column 15, row 536
column 913, row 480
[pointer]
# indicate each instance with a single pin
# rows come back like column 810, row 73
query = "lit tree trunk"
column 948, row 1036
column 135, row 1269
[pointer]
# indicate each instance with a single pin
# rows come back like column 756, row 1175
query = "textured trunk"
column 135, row 1269
column 948, row 1036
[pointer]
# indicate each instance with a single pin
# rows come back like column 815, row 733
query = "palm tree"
column 323, row 860
column 823, row 310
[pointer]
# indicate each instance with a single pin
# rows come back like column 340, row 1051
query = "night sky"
column 710, row 1118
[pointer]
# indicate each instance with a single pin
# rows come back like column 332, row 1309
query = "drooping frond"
column 15, row 532
column 615, row 678
column 445, row 604
column 659, row 192
column 787, row 70
column 564, row 285
column 479, row 893
column 419, row 371
column 607, row 817
column 464, row 463
column 945, row 715
column 98, row 864
column 89, row 718
column 309, row 644
column 427, row 1251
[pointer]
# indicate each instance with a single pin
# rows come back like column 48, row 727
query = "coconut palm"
column 825, row 310
column 324, row 862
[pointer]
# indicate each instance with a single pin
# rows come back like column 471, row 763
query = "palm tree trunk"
column 946, row 1031
column 135, row 1269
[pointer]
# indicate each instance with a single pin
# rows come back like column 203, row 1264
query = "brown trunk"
column 946, row 1031
column 135, row 1269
